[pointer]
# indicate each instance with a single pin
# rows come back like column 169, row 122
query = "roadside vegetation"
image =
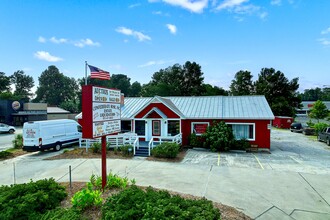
column 120, row 199
column 15, row 151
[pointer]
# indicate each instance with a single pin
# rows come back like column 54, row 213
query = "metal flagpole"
column 85, row 72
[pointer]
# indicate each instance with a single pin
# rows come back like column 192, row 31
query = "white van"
column 42, row 135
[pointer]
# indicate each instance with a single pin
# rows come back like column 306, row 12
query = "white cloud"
column 129, row 32
column 80, row 43
column 86, row 42
column 276, row 2
column 227, row 4
column 263, row 15
column 160, row 13
column 324, row 41
column 172, row 28
column 196, row 6
column 134, row 5
column 326, row 31
column 58, row 41
column 43, row 55
column 42, row 39
column 154, row 62
column 242, row 7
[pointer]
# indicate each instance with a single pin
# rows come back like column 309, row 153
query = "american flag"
column 97, row 73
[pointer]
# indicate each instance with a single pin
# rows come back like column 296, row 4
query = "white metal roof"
column 205, row 107
column 56, row 110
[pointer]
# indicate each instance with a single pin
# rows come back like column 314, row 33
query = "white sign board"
column 105, row 127
column 106, row 111
column 106, row 95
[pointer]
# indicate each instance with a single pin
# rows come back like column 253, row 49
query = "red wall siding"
column 168, row 112
column 282, row 122
column 262, row 133
column 154, row 115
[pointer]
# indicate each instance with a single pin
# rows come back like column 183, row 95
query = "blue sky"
column 137, row 38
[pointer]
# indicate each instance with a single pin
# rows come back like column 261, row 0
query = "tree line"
column 56, row 89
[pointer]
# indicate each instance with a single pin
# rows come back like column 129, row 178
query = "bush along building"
column 154, row 118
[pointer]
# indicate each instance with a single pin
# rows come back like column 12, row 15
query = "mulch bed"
column 81, row 153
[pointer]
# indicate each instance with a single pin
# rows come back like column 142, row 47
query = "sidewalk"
column 261, row 194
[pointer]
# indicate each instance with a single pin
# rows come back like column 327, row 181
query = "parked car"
column 302, row 128
column 308, row 131
column 324, row 135
column 296, row 127
column 42, row 135
column 7, row 128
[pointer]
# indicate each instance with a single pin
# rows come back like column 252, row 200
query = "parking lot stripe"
column 258, row 162
column 295, row 159
column 219, row 159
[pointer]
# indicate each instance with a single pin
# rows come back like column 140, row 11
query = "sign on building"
column 101, row 111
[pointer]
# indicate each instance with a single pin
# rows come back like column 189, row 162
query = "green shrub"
column 166, row 150
column 18, row 141
column 113, row 181
column 96, row 147
column 65, row 151
column 5, row 154
column 319, row 127
column 126, row 150
column 195, row 141
column 21, row 201
column 218, row 137
column 86, row 198
column 242, row 144
column 62, row 214
column 134, row 203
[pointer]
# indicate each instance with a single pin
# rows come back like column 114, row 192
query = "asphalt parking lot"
column 289, row 152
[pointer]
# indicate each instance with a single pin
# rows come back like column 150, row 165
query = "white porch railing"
column 174, row 139
column 150, row 145
column 114, row 140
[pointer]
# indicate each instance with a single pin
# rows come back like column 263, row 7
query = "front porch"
column 140, row 148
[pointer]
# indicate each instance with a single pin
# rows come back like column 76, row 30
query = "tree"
column 4, row 83
column 316, row 94
column 55, row 88
column 23, row 84
column 319, row 111
column 242, row 84
column 210, row 90
column 135, row 89
column 280, row 93
column 176, row 80
column 192, row 84
column 122, row 82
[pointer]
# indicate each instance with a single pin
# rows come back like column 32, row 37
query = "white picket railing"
column 174, row 139
column 113, row 140
column 151, row 145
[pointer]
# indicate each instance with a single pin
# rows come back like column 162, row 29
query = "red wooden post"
column 104, row 161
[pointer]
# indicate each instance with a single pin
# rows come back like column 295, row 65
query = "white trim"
column 244, row 123
column 192, row 126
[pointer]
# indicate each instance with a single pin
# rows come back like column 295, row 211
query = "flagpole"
column 85, row 72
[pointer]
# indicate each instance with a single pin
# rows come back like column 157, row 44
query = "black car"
column 302, row 128
column 296, row 127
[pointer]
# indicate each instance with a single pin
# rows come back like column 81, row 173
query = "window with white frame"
column 243, row 130
column 199, row 128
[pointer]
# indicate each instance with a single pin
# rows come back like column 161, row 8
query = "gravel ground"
column 289, row 152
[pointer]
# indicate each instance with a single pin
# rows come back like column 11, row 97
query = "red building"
column 250, row 117
column 282, row 122
column 151, row 117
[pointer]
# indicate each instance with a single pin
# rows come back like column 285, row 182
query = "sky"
column 138, row 38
